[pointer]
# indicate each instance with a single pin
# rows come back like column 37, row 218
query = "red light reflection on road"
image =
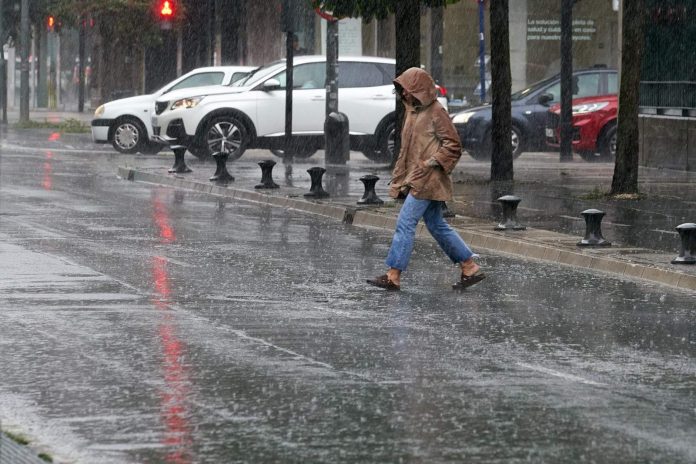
column 47, row 179
column 174, row 403
column 54, row 136
column 161, row 218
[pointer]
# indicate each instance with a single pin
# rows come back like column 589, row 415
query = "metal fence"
column 668, row 75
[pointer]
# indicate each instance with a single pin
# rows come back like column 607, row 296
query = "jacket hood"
column 419, row 84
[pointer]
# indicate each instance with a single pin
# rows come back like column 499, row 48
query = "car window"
column 200, row 79
column 305, row 76
column 351, row 74
column 519, row 95
column 261, row 74
column 584, row 85
column 612, row 83
column 238, row 77
column 587, row 85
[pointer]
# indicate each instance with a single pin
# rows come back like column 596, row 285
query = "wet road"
column 144, row 324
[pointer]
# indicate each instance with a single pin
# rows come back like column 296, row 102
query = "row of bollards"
column 316, row 174
column 593, row 229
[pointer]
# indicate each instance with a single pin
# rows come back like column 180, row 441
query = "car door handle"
column 318, row 98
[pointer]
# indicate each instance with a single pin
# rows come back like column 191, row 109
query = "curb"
column 535, row 244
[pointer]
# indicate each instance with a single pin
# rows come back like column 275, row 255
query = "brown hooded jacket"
column 428, row 135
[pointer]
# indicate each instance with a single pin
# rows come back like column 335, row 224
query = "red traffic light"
column 166, row 9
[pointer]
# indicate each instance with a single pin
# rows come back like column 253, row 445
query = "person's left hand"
column 431, row 163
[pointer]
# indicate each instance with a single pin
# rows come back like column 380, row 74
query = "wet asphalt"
column 146, row 324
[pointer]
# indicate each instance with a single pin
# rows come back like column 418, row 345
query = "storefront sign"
column 541, row 29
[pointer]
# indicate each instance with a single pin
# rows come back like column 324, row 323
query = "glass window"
column 612, row 83
column 587, row 85
column 306, row 76
column 201, row 79
column 351, row 74
column 584, row 85
column 237, row 77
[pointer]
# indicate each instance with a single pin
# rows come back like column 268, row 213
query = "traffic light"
column 166, row 10
column 50, row 23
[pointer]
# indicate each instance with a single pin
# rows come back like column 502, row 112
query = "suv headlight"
column 462, row 118
column 99, row 111
column 186, row 103
column 589, row 107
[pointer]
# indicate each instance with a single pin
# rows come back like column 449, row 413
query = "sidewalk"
column 553, row 196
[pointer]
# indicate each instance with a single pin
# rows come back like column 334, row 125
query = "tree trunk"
column 407, row 35
column 501, row 88
column 627, row 149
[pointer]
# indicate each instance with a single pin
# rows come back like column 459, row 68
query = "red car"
column 594, row 127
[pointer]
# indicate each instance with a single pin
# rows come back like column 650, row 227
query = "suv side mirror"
column 271, row 84
column 545, row 98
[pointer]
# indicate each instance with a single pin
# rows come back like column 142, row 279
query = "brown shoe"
column 384, row 282
column 467, row 281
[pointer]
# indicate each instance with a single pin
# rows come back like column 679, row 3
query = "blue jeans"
column 431, row 212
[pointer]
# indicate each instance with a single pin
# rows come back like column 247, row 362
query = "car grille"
column 553, row 120
column 160, row 107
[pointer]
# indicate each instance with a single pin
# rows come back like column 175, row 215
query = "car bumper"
column 469, row 137
column 100, row 130
column 584, row 135
column 173, row 134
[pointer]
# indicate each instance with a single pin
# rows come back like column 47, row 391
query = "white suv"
column 126, row 122
column 252, row 114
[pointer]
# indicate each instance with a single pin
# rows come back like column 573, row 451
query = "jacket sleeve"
column 450, row 149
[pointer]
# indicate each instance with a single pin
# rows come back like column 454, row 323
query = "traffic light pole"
column 3, row 73
column 566, row 80
column 24, row 65
column 81, row 67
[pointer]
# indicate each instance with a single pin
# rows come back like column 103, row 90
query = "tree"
column 625, row 180
column 123, row 28
column 501, row 88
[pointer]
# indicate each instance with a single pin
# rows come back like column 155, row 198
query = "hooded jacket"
column 430, row 146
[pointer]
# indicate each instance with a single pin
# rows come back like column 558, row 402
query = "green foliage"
column 369, row 9
column 19, row 439
column 70, row 126
column 45, row 457
column 130, row 22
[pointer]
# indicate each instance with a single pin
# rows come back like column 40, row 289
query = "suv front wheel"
column 226, row 133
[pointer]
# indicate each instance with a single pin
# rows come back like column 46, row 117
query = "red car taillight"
column 442, row 90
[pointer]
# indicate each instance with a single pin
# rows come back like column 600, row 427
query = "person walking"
column 430, row 149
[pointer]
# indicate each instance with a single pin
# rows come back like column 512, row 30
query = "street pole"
column 81, row 66
column 3, row 72
column 24, row 66
column 331, row 67
column 566, row 81
column 289, row 79
column 436, row 44
column 482, row 51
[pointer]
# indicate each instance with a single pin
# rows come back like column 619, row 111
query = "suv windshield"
column 260, row 73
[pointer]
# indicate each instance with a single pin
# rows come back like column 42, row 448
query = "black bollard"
column 316, row 190
column 179, row 163
column 446, row 212
column 267, row 175
column 370, row 197
column 509, row 204
column 687, row 234
column 593, row 229
column 221, row 174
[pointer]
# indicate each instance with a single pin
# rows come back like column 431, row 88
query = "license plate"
column 549, row 132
